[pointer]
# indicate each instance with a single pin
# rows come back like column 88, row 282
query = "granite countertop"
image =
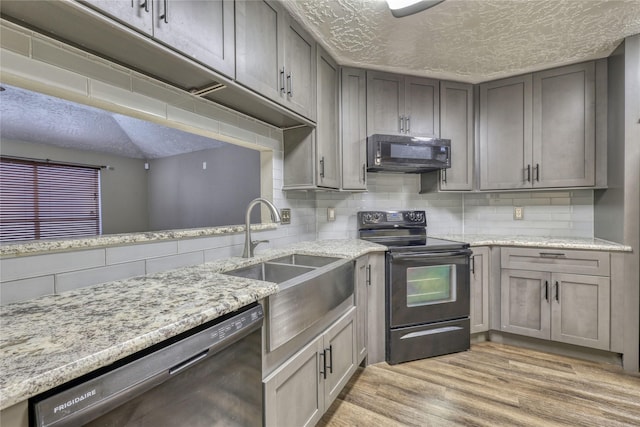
column 580, row 243
column 50, row 340
column 59, row 245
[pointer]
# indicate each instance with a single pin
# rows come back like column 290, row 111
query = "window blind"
column 42, row 200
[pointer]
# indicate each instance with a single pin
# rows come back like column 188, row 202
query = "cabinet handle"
column 282, row 80
column 145, row 5
column 290, row 85
column 408, row 120
column 552, row 255
column 473, row 265
column 322, row 167
column 330, row 350
column 165, row 15
column 557, row 291
column 443, row 175
column 323, row 370
column 401, row 124
column 528, row 173
column 369, row 275
column 537, row 169
column 546, row 290
column 364, row 173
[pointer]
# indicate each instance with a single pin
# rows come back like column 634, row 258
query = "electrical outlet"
column 285, row 216
column 331, row 214
column 518, row 212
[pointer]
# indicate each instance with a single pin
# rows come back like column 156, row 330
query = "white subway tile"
column 119, row 254
column 41, row 265
column 26, row 289
column 127, row 99
column 157, row 265
column 83, row 278
column 15, row 41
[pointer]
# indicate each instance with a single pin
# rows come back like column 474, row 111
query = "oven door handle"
column 429, row 255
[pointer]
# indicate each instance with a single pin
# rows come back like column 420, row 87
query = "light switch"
column 285, row 216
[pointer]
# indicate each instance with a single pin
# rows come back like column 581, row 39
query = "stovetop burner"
column 401, row 230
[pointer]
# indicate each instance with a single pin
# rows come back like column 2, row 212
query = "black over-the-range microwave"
column 407, row 154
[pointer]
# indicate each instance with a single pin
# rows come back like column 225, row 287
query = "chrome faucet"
column 249, row 245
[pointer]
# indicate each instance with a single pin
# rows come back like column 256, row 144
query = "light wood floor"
column 490, row 385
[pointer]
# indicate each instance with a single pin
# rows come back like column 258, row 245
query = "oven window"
column 431, row 285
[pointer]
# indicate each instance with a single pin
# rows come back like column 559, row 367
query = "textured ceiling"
column 34, row 117
column 469, row 40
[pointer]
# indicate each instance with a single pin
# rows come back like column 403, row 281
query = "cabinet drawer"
column 556, row 261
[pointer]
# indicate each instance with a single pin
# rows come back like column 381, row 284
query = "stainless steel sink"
column 308, row 260
column 310, row 287
column 271, row 272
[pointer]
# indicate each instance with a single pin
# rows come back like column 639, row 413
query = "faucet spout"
column 249, row 245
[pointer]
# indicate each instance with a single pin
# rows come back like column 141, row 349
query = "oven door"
column 425, row 287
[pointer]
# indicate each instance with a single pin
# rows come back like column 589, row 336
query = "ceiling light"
column 400, row 8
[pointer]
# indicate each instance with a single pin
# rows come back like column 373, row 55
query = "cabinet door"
column 300, row 69
column 564, row 126
column 479, row 314
column 376, row 328
column 203, row 30
column 293, row 394
column 353, row 119
column 505, row 134
column 580, row 312
column 341, row 355
column 422, row 107
column 385, row 103
column 525, row 303
column 456, row 124
column 362, row 305
column 327, row 132
column 259, row 47
column 136, row 13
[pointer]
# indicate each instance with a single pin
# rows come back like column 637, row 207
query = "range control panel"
column 391, row 219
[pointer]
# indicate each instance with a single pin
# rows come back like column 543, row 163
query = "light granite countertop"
column 50, row 340
column 580, row 243
column 60, row 245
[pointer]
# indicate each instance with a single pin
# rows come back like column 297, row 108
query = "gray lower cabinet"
column 538, row 130
column 201, row 30
column 399, row 104
column 299, row 391
column 275, row 56
column 564, row 296
column 456, row 124
column 353, row 126
column 375, row 340
column 479, row 295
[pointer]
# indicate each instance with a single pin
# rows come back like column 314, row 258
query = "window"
column 43, row 200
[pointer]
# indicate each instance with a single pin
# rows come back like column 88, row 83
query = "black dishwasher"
column 211, row 376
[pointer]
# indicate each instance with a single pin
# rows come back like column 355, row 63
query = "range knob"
column 367, row 218
column 377, row 216
column 412, row 216
column 419, row 217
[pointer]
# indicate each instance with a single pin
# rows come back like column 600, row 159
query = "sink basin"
column 270, row 272
column 310, row 287
column 308, row 260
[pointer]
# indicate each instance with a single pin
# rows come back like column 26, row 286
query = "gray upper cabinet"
column 354, row 129
column 259, row 47
column 327, row 144
column 505, row 134
column 136, row 13
column 564, row 127
column 402, row 105
column 538, row 130
column 275, row 56
column 456, row 124
column 203, row 31
column 312, row 155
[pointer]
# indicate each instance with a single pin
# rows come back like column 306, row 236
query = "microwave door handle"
column 426, row 255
